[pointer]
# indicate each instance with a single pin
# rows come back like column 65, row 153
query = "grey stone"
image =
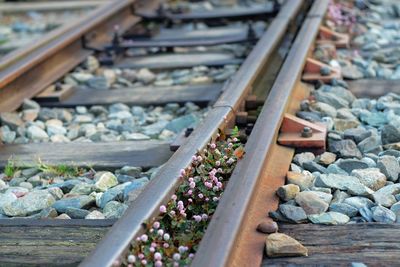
column 293, row 213
column 351, row 72
column 335, row 169
column 5, row 199
column 331, row 99
column 311, row 202
column 390, row 134
column 56, row 192
column 135, row 185
column 390, row 152
column 345, row 149
column 114, row 210
column 30, row 203
column 62, row 217
column 179, row 124
column 312, row 166
column 6, row 135
column 344, row 208
column 329, row 218
column 359, row 202
column 343, row 124
column 370, row 177
column 390, row 167
column 396, row 209
column 99, row 83
column 30, row 104
column 76, row 213
column 82, row 189
column 345, row 113
column 366, row 213
column 382, row 214
column 278, row 216
column 78, row 202
column 385, row 195
column 309, row 116
column 153, row 130
column 370, row 162
column 326, row 158
column 66, row 186
column 371, row 144
column 304, row 180
column 115, row 193
column 48, row 213
column 37, row 134
column 300, row 158
column 124, row 178
column 324, row 109
column 351, row 164
column 339, row 196
column 95, row 215
column 131, row 171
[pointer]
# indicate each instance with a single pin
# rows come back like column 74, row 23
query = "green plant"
column 10, row 169
column 60, row 169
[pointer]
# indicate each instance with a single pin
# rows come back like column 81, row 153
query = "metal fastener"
column 307, row 132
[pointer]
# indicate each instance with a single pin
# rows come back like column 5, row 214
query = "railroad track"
column 271, row 97
column 42, row 71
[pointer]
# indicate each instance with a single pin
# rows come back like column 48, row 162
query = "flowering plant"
column 172, row 238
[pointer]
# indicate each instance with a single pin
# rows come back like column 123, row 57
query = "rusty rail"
column 35, row 69
column 231, row 238
column 160, row 188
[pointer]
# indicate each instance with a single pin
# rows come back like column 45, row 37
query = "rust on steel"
column 34, row 70
column 231, row 238
column 222, row 115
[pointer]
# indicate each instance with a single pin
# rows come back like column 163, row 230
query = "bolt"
column 307, row 132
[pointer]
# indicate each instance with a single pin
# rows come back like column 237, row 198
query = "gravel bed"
column 20, row 29
column 62, row 192
column 116, row 122
column 374, row 52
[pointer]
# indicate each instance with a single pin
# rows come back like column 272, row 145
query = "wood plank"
column 104, row 155
column 144, row 96
column 48, row 6
column 38, row 245
column 372, row 88
column 371, row 243
column 178, row 60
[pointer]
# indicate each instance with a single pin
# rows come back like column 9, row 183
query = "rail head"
column 217, row 250
column 159, row 190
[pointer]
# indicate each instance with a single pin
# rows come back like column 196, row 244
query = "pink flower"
column 208, row 184
column 194, row 158
column 160, row 232
column 217, row 163
column 197, row 218
column 230, row 145
column 200, row 195
column 235, row 139
column 192, row 184
column 174, row 197
column 156, row 225
column 199, row 158
column 190, row 192
column 144, row 238
column 213, row 146
column 144, row 262
column 207, row 199
column 154, row 245
column 191, row 179
column 215, row 199
column 180, row 203
column 157, row 256
column 219, row 184
column 152, row 249
column 191, row 255
column 163, row 209
column 158, row 264
column 141, row 256
column 166, row 245
column 182, row 249
column 204, row 217
column 182, row 172
column 190, row 200
column 172, row 213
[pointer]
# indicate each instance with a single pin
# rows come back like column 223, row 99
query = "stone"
column 30, row 104
column 313, row 166
column 371, row 144
column 366, row 214
column 327, row 197
column 131, row 171
column 346, row 114
column 146, row 76
column 95, row 215
column 335, row 169
column 351, row 72
column 370, row 162
column 281, row 245
column 326, row 158
column 342, row 124
column 6, row 135
column 293, row 213
column 370, row 177
column 389, row 167
column 356, row 134
column 330, row 99
column 339, row 196
column 114, row 210
column 153, row 130
column 179, row 124
column 300, row 158
column 342, row 182
column 31, row 203
column 48, row 213
column 6, row 199
column 311, row 202
column 383, row 215
column 344, row 208
column 135, row 185
column 359, row 202
column 329, row 218
column 115, row 193
column 390, row 134
column 268, row 227
column 345, row 149
column 66, row 186
column 324, row 109
column 63, row 217
column 105, row 180
column 76, row 213
column 82, row 189
column 288, row 192
column 351, row 164
column 396, row 209
column 135, row 137
column 304, row 180
column 37, row 134
column 11, row 119
column 79, row 202
column 26, row 185
column 385, row 195
column 132, row 195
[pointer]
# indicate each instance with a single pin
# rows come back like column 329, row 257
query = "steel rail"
column 221, row 242
column 37, row 69
column 161, row 187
